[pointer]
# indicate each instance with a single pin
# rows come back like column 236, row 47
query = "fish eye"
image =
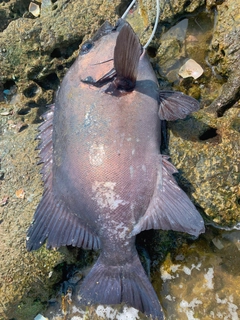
column 86, row 47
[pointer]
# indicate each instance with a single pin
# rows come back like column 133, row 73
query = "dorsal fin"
column 126, row 58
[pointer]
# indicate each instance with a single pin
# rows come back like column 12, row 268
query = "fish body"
column 105, row 179
column 109, row 149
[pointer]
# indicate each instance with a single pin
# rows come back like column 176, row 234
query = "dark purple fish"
column 105, row 180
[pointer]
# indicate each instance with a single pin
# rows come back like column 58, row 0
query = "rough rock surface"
column 22, row 287
column 225, row 55
column 11, row 10
column 206, row 151
column 205, row 147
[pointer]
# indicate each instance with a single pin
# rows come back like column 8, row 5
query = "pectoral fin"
column 102, row 81
column 176, row 105
column 170, row 208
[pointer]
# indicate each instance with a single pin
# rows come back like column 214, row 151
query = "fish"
column 105, row 180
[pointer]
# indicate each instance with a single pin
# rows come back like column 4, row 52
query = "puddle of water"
column 201, row 280
column 198, row 280
column 189, row 39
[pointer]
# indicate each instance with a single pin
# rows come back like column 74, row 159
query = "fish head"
column 95, row 58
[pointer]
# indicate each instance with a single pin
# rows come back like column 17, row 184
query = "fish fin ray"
column 116, row 284
column 53, row 221
column 170, row 207
column 176, row 105
column 126, row 58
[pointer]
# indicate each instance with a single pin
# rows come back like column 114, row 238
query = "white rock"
column 40, row 317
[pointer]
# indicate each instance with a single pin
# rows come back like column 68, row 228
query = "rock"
column 11, row 10
column 202, row 285
column 41, row 49
column 185, row 40
column 24, row 276
column 204, row 147
column 224, row 55
column 171, row 10
column 206, row 151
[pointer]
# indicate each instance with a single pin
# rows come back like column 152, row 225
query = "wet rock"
column 206, row 151
column 186, row 39
column 224, row 55
column 11, row 10
column 202, row 283
column 170, row 10
column 25, row 281
column 206, row 148
column 41, row 49
column 36, row 52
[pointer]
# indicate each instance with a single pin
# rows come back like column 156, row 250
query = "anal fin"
column 54, row 222
column 170, row 208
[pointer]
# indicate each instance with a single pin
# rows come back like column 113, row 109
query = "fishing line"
column 155, row 25
column 156, row 20
column 128, row 9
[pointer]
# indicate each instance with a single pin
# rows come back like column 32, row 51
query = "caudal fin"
column 127, row 284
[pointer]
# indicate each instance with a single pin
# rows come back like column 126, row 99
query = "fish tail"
column 116, row 284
